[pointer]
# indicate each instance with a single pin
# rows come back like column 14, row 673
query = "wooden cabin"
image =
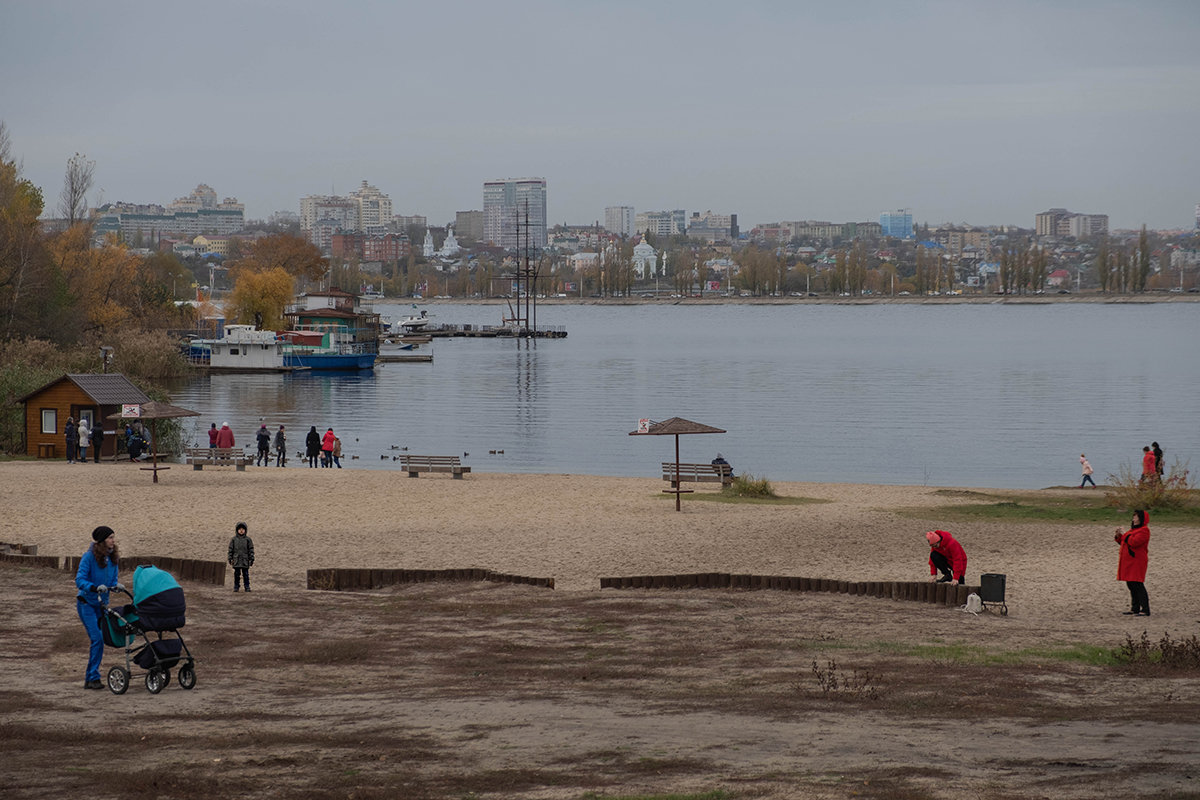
column 90, row 397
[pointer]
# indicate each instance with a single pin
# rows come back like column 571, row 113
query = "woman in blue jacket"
column 96, row 575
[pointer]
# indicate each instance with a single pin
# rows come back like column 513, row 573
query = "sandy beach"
column 577, row 528
column 451, row 690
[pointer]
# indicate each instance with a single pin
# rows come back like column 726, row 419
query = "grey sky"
column 963, row 111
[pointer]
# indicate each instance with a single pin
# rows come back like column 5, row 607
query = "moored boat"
column 330, row 330
column 242, row 348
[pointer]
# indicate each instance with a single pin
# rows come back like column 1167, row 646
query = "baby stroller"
column 158, row 608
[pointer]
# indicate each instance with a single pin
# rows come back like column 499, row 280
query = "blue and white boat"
column 331, row 330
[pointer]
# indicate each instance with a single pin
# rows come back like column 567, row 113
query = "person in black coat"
column 312, row 446
column 263, row 437
column 1158, row 460
column 97, row 440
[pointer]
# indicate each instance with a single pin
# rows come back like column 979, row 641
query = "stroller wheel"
column 156, row 679
column 187, row 676
column 118, row 680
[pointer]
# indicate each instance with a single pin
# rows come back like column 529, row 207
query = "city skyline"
column 964, row 112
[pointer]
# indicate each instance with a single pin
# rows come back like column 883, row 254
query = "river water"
column 1005, row 396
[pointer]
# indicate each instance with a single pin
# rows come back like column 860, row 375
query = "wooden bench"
column 415, row 465
column 698, row 473
column 200, row 457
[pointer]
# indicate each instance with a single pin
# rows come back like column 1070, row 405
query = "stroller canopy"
column 157, row 600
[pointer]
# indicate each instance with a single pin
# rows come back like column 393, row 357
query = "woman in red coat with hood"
column 1134, row 558
column 948, row 556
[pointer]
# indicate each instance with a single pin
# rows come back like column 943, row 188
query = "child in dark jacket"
column 241, row 556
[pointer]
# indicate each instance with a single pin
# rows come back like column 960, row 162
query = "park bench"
column 697, row 473
column 200, row 457
column 415, row 465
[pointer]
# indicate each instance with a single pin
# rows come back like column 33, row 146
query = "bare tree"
column 72, row 202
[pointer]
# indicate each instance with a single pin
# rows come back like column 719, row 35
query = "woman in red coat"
column 1135, row 556
column 946, row 555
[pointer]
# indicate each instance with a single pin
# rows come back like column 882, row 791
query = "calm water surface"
column 958, row 395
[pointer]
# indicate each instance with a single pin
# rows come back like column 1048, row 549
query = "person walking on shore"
column 312, row 446
column 241, row 556
column 1133, row 561
column 263, row 438
column 1158, row 459
column 97, row 574
column 1087, row 472
column 946, row 556
column 337, row 452
column 213, row 433
column 225, row 436
column 280, row 447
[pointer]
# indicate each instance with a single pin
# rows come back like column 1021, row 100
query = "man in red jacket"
column 947, row 556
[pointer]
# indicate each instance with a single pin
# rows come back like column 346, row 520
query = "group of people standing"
column 325, row 451
column 327, row 448
column 79, row 437
column 223, row 437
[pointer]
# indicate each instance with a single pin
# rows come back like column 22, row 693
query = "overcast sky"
column 963, row 111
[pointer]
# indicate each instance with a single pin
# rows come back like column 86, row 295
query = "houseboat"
column 331, row 330
column 242, row 348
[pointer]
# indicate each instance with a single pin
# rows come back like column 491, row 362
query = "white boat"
column 243, row 348
column 416, row 322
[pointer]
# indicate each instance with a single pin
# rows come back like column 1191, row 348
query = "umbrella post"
column 678, row 484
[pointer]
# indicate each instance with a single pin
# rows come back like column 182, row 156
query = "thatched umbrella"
column 675, row 426
column 153, row 411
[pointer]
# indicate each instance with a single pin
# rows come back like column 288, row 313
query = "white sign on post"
column 131, row 410
column 643, row 426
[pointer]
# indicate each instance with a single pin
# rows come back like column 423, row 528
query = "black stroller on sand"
column 157, row 607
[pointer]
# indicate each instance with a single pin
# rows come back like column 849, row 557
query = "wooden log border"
column 182, row 569
column 352, row 580
column 919, row 591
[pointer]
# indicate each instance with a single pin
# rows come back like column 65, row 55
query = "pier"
column 494, row 331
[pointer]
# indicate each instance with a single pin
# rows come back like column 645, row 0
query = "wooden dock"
column 493, row 332
column 404, row 358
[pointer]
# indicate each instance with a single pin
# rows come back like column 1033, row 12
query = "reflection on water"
column 1002, row 396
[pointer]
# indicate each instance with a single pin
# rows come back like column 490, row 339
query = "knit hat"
column 101, row 533
column 934, row 538
column 241, row 526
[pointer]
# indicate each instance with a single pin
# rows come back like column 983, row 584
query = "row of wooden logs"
column 213, row 572
column 920, row 591
column 183, row 569
column 340, row 580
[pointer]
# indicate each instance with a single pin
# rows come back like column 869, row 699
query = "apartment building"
column 1059, row 222
column 619, row 220
column 514, row 213
column 897, row 224
column 661, row 223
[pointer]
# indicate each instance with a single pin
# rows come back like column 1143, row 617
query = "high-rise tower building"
column 508, row 204
column 619, row 220
column 897, row 224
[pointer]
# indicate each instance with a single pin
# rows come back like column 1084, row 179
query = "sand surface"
column 506, row 691
column 577, row 528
